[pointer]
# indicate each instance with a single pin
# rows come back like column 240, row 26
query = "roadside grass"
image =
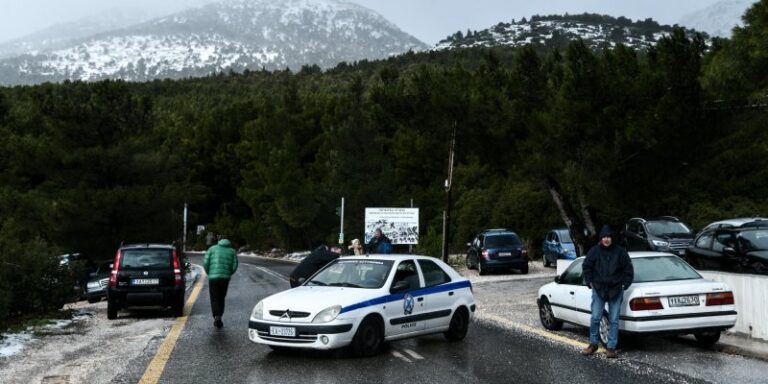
column 34, row 321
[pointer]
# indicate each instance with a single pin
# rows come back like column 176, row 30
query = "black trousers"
column 218, row 290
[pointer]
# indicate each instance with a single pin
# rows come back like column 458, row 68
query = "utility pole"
column 184, row 236
column 447, row 210
column 341, row 230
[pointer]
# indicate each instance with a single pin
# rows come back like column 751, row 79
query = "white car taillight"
column 645, row 304
column 724, row 298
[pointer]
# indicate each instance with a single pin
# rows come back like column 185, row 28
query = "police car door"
column 439, row 296
column 404, row 314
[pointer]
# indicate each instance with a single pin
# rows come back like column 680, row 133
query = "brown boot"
column 589, row 350
column 611, row 353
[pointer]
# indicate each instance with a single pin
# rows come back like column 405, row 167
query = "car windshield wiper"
column 344, row 285
column 317, row 283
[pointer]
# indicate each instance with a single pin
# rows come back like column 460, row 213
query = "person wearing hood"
column 608, row 272
column 317, row 259
column 220, row 264
column 380, row 243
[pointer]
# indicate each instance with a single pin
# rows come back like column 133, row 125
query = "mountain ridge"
column 233, row 35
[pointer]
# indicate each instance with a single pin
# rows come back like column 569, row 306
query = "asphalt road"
column 490, row 353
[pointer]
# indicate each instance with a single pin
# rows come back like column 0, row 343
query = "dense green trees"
column 577, row 137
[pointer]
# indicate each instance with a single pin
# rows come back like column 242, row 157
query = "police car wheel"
column 369, row 338
column 459, row 325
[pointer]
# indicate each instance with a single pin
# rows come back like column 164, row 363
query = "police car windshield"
column 369, row 274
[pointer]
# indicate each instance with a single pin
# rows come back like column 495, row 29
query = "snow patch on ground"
column 59, row 351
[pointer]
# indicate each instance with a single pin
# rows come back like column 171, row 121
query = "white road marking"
column 272, row 273
column 413, row 354
column 400, row 356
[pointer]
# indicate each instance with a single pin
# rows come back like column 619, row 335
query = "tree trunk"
column 575, row 223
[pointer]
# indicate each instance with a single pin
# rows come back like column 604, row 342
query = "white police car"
column 363, row 301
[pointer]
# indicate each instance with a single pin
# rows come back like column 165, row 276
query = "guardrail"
column 751, row 295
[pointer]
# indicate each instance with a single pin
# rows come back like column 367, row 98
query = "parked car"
column 557, row 245
column 743, row 249
column 76, row 266
column 96, row 288
column 668, row 297
column 737, row 222
column 146, row 275
column 662, row 234
column 364, row 301
column 496, row 249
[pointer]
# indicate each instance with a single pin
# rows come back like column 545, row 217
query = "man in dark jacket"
column 317, row 259
column 380, row 243
column 608, row 272
column 220, row 263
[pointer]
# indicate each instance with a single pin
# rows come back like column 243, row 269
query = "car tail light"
column 113, row 274
column 177, row 269
column 645, row 304
column 724, row 298
column 524, row 253
column 485, row 255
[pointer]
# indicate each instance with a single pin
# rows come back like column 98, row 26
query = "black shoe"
column 611, row 353
column 217, row 322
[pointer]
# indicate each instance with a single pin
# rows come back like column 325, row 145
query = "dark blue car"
column 497, row 249
column 558, row 245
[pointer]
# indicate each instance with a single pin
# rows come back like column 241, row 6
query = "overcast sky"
column 428, row 20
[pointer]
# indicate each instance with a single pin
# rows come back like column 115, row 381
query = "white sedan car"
column 667, row 297
column 364, row 301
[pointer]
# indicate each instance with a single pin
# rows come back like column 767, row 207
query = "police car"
column 363, row 302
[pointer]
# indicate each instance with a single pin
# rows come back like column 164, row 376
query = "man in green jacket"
column 220, row 263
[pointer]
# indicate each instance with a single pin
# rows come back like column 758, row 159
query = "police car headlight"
column 258, row 311
column 328, row 314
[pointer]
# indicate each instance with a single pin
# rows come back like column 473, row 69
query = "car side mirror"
column 557, row 279
column 400, row 286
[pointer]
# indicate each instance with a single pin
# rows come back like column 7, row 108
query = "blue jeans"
column 598, row 306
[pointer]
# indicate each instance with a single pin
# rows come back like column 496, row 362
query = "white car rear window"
column 662, row 268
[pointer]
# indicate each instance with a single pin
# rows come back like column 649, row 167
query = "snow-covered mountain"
column 719, row 18
column 233, row 35
column 61, row 35
column 597, row 31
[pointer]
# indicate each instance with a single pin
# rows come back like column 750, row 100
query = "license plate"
column 145, row 281
column 505, row 253
column 282, row 331
column 683, row 301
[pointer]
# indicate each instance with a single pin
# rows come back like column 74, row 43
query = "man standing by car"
column 608, row 272
column 312, row 263
column 220, row 264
